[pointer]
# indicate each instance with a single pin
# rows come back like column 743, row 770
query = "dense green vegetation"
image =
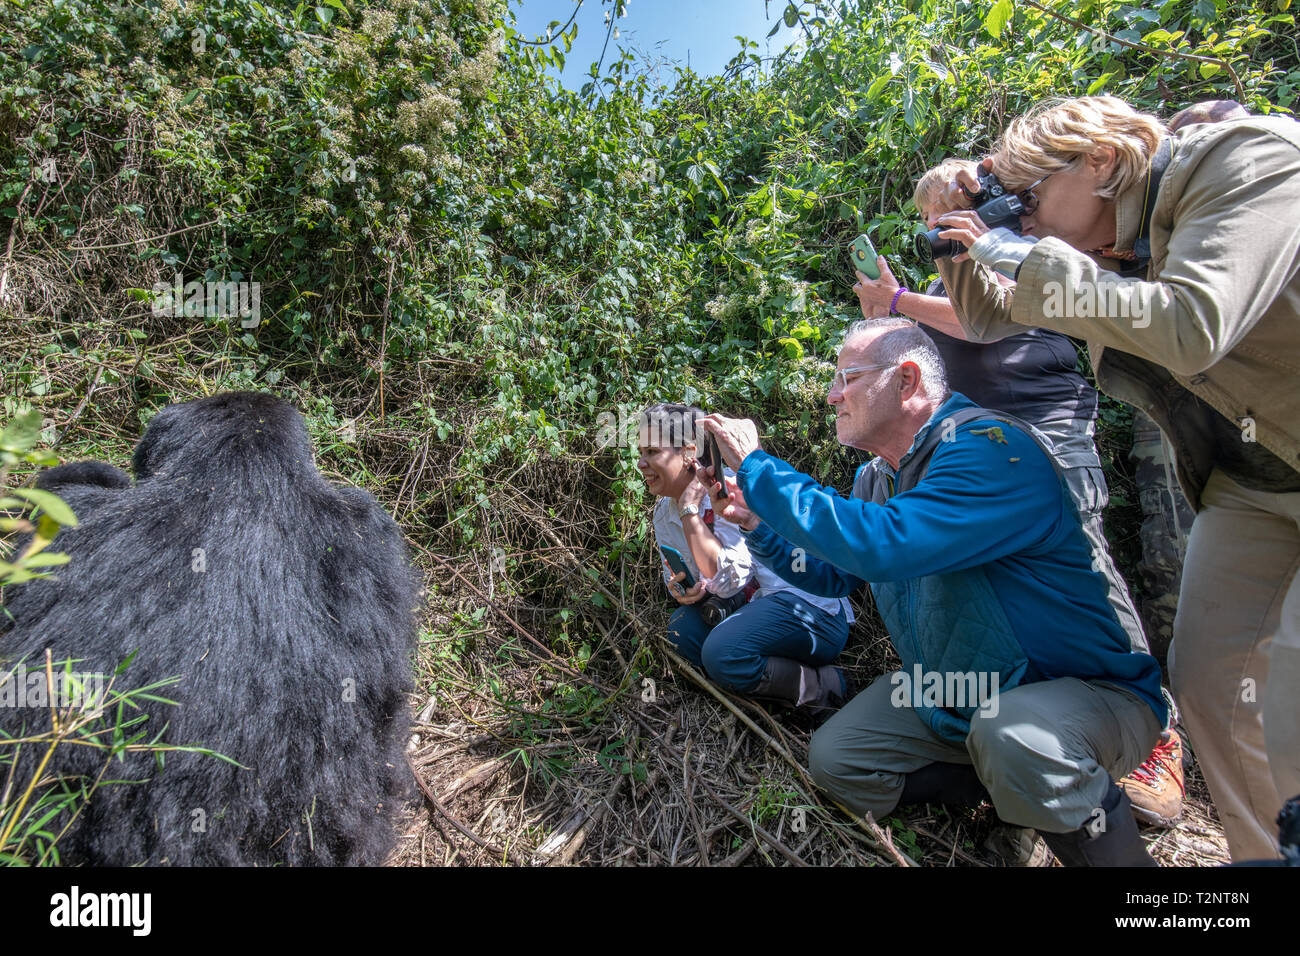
column 467, row 273
column 404, row 179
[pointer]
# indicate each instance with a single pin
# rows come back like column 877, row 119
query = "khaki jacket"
column 1218, row 314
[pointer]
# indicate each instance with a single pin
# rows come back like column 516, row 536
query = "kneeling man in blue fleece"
column 1034, row 693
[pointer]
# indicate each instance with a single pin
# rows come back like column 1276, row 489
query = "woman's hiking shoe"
column 1156, row 787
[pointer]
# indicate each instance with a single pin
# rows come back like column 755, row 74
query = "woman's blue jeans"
column 734, row 654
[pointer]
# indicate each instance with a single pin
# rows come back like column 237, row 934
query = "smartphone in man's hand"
column 711, row 457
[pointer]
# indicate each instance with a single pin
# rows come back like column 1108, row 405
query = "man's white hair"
column 899, row 340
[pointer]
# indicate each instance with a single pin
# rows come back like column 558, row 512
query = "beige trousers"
column 1235, row 658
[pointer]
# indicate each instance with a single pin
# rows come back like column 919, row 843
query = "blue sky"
column 704, row 30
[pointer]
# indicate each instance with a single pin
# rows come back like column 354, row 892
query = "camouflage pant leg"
column 1166, row 522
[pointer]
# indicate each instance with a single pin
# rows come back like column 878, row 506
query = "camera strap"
column 1159, row 163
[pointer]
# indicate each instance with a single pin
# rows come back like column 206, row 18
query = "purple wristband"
column 894, row 301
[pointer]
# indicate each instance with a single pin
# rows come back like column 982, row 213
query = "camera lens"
column 929, row 246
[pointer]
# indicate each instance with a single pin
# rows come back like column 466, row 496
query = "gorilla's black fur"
column 285, row 603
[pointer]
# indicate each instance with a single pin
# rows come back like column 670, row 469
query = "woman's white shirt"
column 735, row 564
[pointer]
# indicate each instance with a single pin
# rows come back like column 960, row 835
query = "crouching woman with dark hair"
column 750, row 631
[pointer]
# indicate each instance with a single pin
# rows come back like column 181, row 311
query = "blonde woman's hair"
column 929, row 187
column 1057, row 135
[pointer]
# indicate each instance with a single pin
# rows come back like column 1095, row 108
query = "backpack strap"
column 873, row 484
column 918, row 463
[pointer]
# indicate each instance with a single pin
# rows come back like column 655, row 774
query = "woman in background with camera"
column 750, row 631
column 1178, row 259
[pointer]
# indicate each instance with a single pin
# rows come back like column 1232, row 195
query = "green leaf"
column 803, row 331
column 51, row 504
column 793, row 347
column 791, row 15
column 121, row 668
column 22, row 433
column 46, row 560
column 878, row 84
column 998, row 18
column 914, row 108
column 1099, row 83
column 716, row 173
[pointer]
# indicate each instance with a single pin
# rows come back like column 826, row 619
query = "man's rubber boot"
column 816, row 688
column 953, row 785
column 1109, row 839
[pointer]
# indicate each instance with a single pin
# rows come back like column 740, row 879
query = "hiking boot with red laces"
column 1156, row 787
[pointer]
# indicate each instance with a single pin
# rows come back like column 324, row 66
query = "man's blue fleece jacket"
column 981, row 503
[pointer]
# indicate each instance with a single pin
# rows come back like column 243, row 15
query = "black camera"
column 996, row 207
column 714, row 610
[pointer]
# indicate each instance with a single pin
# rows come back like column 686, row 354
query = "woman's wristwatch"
column 688, row 510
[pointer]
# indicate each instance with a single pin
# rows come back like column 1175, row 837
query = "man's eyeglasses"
column 1028, row 198
column 841, row 375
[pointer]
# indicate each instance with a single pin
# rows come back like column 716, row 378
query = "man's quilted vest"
column 949, row 622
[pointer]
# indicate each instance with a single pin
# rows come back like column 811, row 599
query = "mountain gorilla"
column 285, row 605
